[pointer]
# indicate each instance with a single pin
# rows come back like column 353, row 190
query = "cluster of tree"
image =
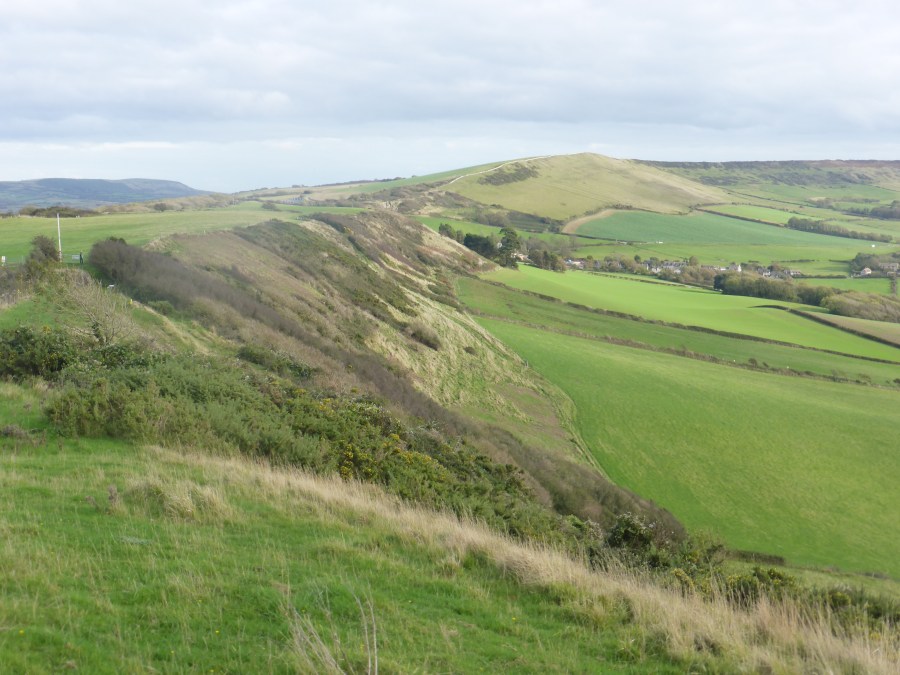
column 446, row 230
column 547, row 260
column 691, row 274
column 757, row 286
column 619, row 263
column 52, row 211
column 872, row 261
column 884, row 212
column 873, row 306
column 821, row 227
column 501, row 250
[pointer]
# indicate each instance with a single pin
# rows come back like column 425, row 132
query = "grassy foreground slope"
column 212, row 565
column 204, row 564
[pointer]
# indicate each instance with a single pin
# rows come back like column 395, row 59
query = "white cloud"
column 693, row 76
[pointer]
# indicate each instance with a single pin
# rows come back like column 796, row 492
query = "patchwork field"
column 775, row 464
column 501, row 302
column 691, row 306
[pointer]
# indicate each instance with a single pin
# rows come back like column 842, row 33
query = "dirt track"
column 572, row 226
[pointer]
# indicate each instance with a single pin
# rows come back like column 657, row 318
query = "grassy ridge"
column 690, row 306
column 797, row 467
column 570, row 186
column 204, row 565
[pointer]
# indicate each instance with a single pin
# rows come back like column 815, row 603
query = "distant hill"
column 88, row 192
column 568, row 186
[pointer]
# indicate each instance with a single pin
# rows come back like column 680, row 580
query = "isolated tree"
column 42, row 258
column 510, row 244
column 92, row 311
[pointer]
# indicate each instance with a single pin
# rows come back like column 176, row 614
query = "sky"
column 230, row 95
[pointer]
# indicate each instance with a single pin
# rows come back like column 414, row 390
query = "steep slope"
column 568, row 186
column 368, row 302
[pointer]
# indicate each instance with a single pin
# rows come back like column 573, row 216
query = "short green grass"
column 501, row 302
column 782, row 465
column 79, row 234
column 691, row 306
column 699, row 228
column 815, row 257
column 158, row 582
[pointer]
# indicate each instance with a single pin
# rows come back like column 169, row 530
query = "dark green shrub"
column 27, row 352
column 277, row 362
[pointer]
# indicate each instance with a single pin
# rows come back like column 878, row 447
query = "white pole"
column 59, row 237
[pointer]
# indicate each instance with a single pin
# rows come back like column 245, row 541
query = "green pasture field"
column 209, row 567
column 691, row 306
column 802, row 194
column 862, row 285
column 819, row 257
column 883, row 329
column 772, row 215
column 789, row 466
column 79, row 234
column 501, row 302
column 701, row 228
column 763, row 213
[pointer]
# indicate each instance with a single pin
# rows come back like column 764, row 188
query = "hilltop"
column 88, row 193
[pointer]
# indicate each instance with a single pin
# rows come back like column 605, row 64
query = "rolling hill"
column 88, row 193
column 313, row 435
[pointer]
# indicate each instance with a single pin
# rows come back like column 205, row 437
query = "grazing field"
column 697, row 228
column 79, row 234
column 807, row 195
column 691, row 306
column 881, row 329
column 819, row 257
column 501, row 302
column 861, row 285
column 761, row 213
column 783, row 465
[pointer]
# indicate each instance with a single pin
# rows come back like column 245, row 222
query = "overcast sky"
column 236, row 94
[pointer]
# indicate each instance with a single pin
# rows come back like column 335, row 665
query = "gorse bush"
column 227, row 408
column 27, row 352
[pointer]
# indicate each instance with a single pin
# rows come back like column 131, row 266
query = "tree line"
column 821, row 227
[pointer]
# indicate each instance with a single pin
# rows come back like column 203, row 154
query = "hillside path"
column 572, row 226
column 494, row 168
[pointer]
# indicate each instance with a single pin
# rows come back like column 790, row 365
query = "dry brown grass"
column 768, row 637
